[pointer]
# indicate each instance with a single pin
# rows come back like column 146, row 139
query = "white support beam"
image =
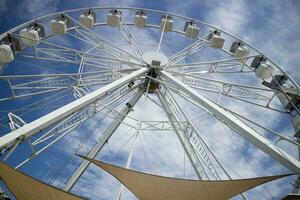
column 104, row 138
column 237, row 125
column 8, row 140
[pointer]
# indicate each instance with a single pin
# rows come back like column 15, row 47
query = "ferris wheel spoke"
column 191, row 49
column 76, row 57
column 103, row 43
column 280, row 136
column 237, row 125
column 258, row 96
column 130, row 38
column 103, row 106
column 30, row 85
column 74, row 121
column 188, row 136
column 54, row 52
column 234, row 65
column 8, row 140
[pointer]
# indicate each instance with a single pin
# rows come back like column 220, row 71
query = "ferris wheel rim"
column 156, row 11
column 151, row 26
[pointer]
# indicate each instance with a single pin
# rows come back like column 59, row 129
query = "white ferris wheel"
column 128, row 82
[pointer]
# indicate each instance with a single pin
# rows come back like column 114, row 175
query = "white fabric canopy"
column 24, row 187
column 152, row 187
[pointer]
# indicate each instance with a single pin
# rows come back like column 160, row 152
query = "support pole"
column 104, row 138
column 187, row 146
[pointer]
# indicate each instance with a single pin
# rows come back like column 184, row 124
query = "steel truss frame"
column 119, row 69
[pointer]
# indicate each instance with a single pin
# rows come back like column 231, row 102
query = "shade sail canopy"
column 26, row 188
column 152, row 187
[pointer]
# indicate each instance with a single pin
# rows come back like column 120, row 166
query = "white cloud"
column 3, row 6
column 29, row 8
column 231, row 16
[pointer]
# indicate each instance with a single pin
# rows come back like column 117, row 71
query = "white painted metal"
column 187, row 146
column 34, row 127
column 193, row 48
column 130, row 38
column 155, row 59
column 237, row 125
column 15, row 121
column 123, row 57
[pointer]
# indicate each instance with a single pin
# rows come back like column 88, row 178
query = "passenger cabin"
column 166, row 23
column 239, row 50
column 140, row 19
column 6, row 54
column 88, row 19
column 31, row 35
column 59, row 26
column 191, row 30
column 262, row 69
column 216, row 41
column 8, row 47
column 114, row 18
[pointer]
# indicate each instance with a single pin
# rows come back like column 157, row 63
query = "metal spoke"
column 191, row 49
column 68, row 55
column 8, row 140
column 103, row 43
column 235, row 65
column 257, row 96
column 188, row 138
column 129, row 37
column 30, row 85
column 238, row 126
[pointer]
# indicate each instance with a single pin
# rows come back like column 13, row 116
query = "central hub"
column 155, row 59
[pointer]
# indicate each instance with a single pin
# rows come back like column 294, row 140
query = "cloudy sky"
column 270, row 26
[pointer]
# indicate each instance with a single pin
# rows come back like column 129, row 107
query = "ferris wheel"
column 129, row 82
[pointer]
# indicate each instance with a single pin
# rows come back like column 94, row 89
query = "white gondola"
column 114, row 18
column 140, row 19
column 239, row 50
column 263, row 71
column 88, row 19
column 29, row 37
column 216, row 41
column 191, row 30
column 59, row 27
column 166, row 23
column 6, row 54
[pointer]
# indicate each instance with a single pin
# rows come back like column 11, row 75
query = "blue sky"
column 271, row 26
